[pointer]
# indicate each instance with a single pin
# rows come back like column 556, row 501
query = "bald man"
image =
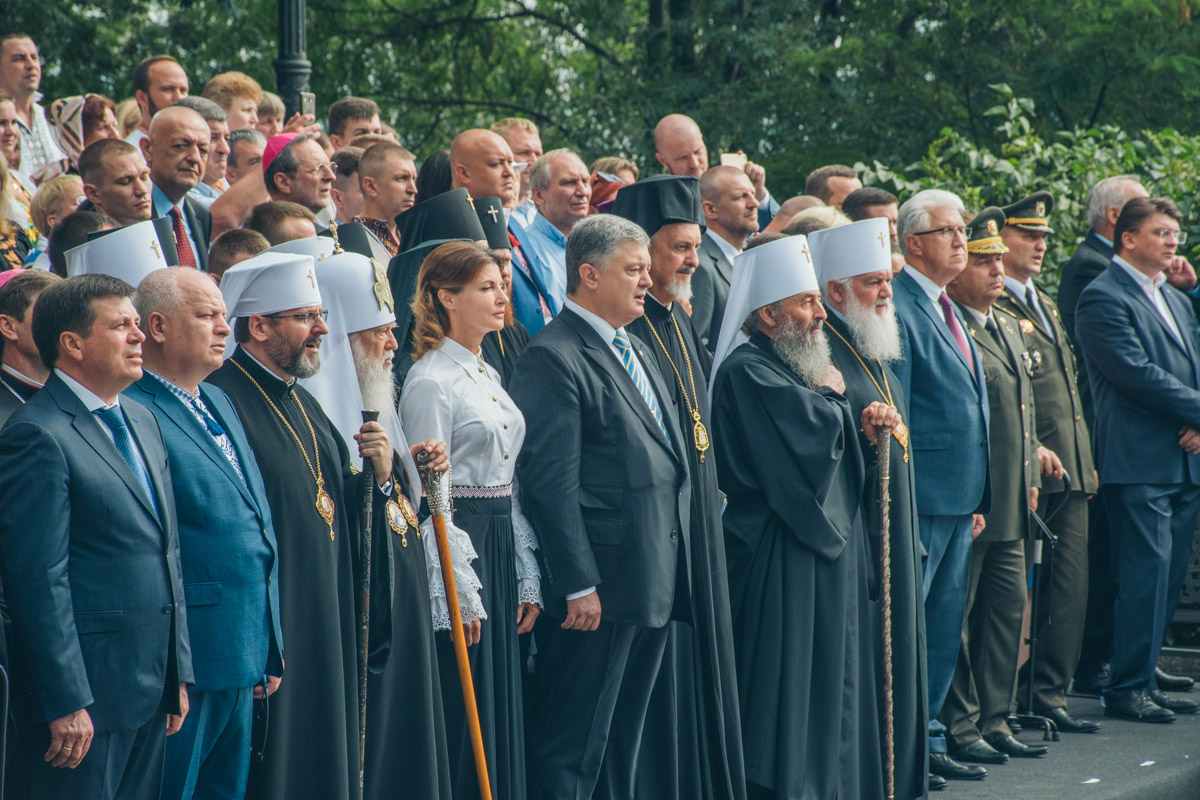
column 679, row 147
column 176, row 151
column 731, row 215
column 790, row 208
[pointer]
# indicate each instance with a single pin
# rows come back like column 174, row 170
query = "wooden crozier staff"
column 367, row 497
column 437, row 509
column 883, row 450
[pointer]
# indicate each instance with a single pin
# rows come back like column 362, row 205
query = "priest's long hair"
column 451, row 266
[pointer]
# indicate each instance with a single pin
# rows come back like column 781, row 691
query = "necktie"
column 639, row 379
column 956, row 330
column 519, row 258
column 115, row 420
column 1031, row 301
column 994, row 330
column 219, row 435
column 187, row 257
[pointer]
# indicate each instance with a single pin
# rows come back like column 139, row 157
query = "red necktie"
column 956, row 330
column 187, row 257
column 519, row 258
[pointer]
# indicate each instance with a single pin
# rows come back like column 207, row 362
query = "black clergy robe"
column 502, row 349
column 693, row 739
column 407, row 754
column 312, row 742
column 909, row 681
column 795, row 536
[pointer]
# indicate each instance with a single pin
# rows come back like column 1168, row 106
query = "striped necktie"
column 639, row 379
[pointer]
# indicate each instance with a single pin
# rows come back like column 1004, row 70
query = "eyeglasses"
column 948, row 233
column 309, row 319
column 1163, row 235
column 319, row 170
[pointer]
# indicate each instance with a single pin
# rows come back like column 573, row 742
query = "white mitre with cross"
column 267, row 284
column 130, row 253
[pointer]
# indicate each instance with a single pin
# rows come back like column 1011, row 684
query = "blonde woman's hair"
column 451, row 266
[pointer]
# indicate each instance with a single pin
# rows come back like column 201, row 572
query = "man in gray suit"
column 731, row 215
column 604, row 481
column 230, row 566
column 91, row 557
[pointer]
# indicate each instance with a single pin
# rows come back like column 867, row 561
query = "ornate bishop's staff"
column 367, row 497
column 883, row 450
column 433, row 492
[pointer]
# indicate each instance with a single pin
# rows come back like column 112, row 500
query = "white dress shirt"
column 1153, row 290
column 93, row 403
column 729, row 250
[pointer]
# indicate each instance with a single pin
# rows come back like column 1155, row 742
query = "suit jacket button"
column 167, row 608
column 983, row 443
column 674, row 534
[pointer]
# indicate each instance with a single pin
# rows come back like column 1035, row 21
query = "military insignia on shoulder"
column 1026, row 326
column 992, row 229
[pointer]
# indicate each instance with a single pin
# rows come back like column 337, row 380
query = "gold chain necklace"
column 901, row 430
column 324, row 501
column 699, row 434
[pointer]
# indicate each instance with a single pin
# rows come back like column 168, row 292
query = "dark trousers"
column 123, row 765
column 592, row 692
column 1152, row 526
column 1062, row 604
column 209, row 758
column 947, row 542
column 981, row 693
column 1097, row 647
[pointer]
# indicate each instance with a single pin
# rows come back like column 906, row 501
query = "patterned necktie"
column 639, row 379
column 187, row 257
column 956, row 330
column 219, row 434
column 115, row 420
column 519, row 259
column 1031, row 301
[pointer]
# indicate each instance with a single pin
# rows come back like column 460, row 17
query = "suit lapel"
column 600, row 354
column 223, row 411
column 724, row 267
column 152, row 454
column 934, row 312
column 1140, row 298
column 1028, row 313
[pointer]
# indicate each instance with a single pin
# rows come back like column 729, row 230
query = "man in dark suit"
column 21, row 369
column 1143, row 344
column 731, row 215
column 176, row 152
column 226, row 536
column 942, row 377
column 1061, row 428
column 977, row 706
column 91, row 556
column 604, row 481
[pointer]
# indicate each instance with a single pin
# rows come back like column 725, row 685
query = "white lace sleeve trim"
column 462, row 553
column 529, row 576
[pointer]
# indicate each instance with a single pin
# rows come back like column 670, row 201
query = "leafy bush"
column 1167, row 162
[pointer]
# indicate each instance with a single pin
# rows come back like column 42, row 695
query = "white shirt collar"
column 290, row 381
column 19, row 376
column 1018, row 288
column 927, row 285
column 1145, row 281
column 978, row 315
column 472, row 363
column 603, row 329
column 729, row 250
column 86, row 396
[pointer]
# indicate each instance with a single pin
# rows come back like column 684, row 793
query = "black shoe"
column 1065, row 722
column 1180, row 705
column 936, row 783
column 1018, row 749
column 1136, row 706
column 1091, row 685
column 1172, row 683
column 942, row 765
column 976, row 752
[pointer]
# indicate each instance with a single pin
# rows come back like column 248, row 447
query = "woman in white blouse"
column 453, row 395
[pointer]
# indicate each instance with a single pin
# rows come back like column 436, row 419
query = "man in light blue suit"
column 227, row 544
column 1142, row 345
column 942, row 377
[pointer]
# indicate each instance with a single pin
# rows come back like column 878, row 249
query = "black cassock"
column 694, row 705
column 799, row 579
column 502, row 349
column 312, row 742
column 909, row 679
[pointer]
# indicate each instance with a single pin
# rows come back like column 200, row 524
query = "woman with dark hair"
column 434, row 177
column 451, row 393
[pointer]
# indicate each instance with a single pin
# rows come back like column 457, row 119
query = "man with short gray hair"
column 562, row 190
column 604, row 481
column 246, row 148
column 213, row 184
column 942, row 377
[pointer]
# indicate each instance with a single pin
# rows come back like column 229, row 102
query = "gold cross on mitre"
column 312, row 276
column 882, row 239
column 154, row 247
column 471, row 201
column 804, row 249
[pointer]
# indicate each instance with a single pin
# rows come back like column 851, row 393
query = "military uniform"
column 1061, row 426
column 981, row 692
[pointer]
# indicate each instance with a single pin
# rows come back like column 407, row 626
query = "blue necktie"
column 639, row 380
column 115, row 420
column 219, row 434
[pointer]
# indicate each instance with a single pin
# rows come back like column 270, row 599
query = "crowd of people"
column 738, row 498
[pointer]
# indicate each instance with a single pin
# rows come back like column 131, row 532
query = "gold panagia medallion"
column 901, row 434
column 700, row 435
column 410, row 514
column 325, row 507
column 395, row 518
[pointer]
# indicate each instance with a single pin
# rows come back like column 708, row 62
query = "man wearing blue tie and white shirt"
column 1142, row 345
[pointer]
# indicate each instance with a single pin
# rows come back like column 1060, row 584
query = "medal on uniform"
column 325, row 507
column 699, row 434
column 395, row 518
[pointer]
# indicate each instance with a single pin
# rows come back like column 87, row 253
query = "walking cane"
column 433, row 491
column 883, row 450
column 366, row 493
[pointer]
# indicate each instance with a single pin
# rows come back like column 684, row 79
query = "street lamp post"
column 292, row 68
